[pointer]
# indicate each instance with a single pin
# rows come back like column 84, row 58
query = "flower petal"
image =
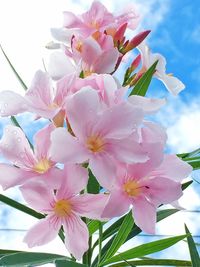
column 15, row 147
column 144, row 214
column 77, row 236
column 118, row 204
column 103, row 167
column 37, row 195
column 66, row 148
column 74, row 179
column 90, row 205
column 12, row 103
column 42, row 233
column 11, row 176
column 107, row 61
column 149, row 105
column 173, row 84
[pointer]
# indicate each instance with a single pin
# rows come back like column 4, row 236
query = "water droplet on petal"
column 14, row 132
column 19, row 139
column 5, row 105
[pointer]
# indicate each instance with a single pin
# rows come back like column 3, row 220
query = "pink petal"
column 15, row 147
column 118, row 204
column 103, row 167
column 12, row 103
column 174, row 168
column 90, row 205
column 77, row 236
column 38, row 195
column 41, row 92
column 163, row 190
column 149, row 105
column 42, row 233
column 82, row 108
column 128, row 151
column 11, row 176
column 42, row 141
column 66, row 148
column 144, row 214
column 106, row 62
column 62, row 35
column 60, row 65
column 153, row 133
column 90, row 50
column 119, row 121
column 74, row 179
column 71, row 21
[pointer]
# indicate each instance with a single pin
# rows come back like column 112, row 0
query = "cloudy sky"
column 24, row 32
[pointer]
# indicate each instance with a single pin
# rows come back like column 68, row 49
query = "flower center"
column 42, row 166
column 95, row 144
column 79, row 46
column 63, row 208
column 95, row 25
column 132, row 188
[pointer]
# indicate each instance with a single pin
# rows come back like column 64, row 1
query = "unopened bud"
column 119, row 35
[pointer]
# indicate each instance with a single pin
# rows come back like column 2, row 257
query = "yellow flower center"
column 79, row 46
column 95, row 144
column 42, row 166
column 132, row 188
column 94, row 24
column 87, row 73
column 63, row 208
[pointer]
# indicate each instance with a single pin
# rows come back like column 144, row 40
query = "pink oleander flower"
column 65, row 207
column 100, row 136
column 145, row 186
column 173, row 84
column 97, row 18
column 41, row 98
column 26, row 163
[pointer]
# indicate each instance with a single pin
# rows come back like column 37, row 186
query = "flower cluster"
column 93, row 126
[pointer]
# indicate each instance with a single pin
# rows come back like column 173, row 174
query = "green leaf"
column 142, row 85
column 162, row 214
column 93, row 226
column 153, row 262
column 93, row 186
column 14, row 70
column 65, row 263
column 20, row 207
column 121, row 236
column 28, row 258
column 186, row 184
column 192, row 248
column 145, row 249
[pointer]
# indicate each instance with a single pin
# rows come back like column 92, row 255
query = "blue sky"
column 175, row 33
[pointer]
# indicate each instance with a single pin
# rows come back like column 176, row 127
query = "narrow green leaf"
column 186, row 184
column 21, row 207
column 145, row 249
column 192, row 248
column 93, row 226
column 121, row 236
column 14, row 70
column 153, row 262
column 162, row 214
column 142, row 85
column 22, row 259
column 93, row 185
column 65, row 263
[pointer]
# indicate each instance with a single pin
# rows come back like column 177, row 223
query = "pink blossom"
column 173, row 84
column 102, row 136
column 145, row 186
column 97, row 18
column 63, row 208
column 26, row 163
column 40, row 98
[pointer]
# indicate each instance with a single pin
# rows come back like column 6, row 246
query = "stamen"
column 63, row 208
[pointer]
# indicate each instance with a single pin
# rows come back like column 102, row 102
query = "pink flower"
column 173, row 84
column 102, row 136
column 145, row 186
column 40, row 98
column 97, row 18
column 63, row 208
column 26, row 164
